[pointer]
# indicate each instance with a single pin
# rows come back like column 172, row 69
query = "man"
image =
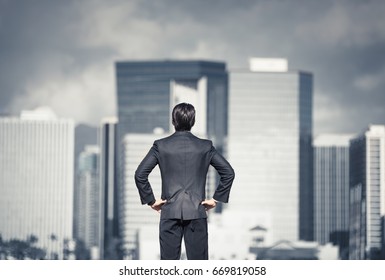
column 183, row 161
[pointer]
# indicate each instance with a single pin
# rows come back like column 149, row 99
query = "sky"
column 62, row 54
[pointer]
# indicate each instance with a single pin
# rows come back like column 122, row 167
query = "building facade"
column 134, row 215
column 147, row 91
column 367, row 194
column 270, row 148
column 88, row 202
column 109, row 230
column 36, row 180
column 331, row 190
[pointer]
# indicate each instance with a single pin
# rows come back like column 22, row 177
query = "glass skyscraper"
column 109, row 231
column 88, row 203
column 148, row 90
column 270, row 148
column 331, row 190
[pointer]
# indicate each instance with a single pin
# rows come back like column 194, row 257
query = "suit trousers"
column 194, row 232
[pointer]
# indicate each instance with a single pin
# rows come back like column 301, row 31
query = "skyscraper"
column 109, row 189
column 88, row 200
column 36, row 179
column 134, row 215
column 148, row 90
column 331, row 190
column 270, row 146
column 367, row 194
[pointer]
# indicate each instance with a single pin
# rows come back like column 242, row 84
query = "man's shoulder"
column 199, row 139
column 203, row 140
column 176, row 137
column 166, row 138
column 162, row 139
column 202, row 143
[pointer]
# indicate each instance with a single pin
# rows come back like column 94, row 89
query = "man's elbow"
column 230, row 175
column 139, row 176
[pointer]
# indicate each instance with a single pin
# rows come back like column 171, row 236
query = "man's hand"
column 209, row 203
column 158, row 204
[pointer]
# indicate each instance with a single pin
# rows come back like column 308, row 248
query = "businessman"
column 183, row 160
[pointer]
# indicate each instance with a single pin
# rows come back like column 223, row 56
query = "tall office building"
column 148, row 90
column 87, row 207
column 331, row 190
column 36, row 179
column 367, row 194
column 270, row 147
column 109, row 194
column 134, row 215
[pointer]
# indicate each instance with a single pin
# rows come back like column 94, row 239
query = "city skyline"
column 286, row 86
column 63, row 54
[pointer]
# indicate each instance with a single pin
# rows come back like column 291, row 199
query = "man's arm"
column 141, row 176
column 226, row 173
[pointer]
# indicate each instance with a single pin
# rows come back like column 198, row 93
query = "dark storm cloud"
column 29, row 34
column 43, row 61
column 61, row 53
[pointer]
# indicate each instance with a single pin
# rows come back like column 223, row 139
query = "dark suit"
column 183, row 160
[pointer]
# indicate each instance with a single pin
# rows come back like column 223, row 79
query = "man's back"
column 184, row 160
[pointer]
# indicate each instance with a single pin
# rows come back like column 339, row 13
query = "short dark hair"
column 183, row 117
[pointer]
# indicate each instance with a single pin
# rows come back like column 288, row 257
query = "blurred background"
column 291, row 92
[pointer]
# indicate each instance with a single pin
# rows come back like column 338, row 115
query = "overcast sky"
column 62, row 53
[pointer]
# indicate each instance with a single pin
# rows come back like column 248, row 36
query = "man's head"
column 183, row 117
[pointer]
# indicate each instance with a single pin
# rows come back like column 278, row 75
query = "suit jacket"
column 183, row 160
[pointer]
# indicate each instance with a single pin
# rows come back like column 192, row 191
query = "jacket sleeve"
column 226, row 173
column 143, row 171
